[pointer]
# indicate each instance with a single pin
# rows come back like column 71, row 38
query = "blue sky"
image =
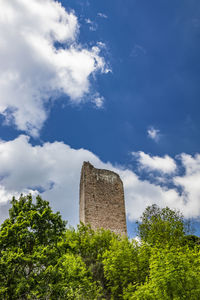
column 113, row 82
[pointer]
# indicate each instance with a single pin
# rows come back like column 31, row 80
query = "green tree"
column 125, row 263
column 162, row 226
column 40, row 259
column 91, row 246
column 174, row 274
column 28, row 245
column 191, row 240
column 69, row 278
column 35, row 221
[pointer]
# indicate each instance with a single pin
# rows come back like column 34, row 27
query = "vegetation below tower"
column 40, row 258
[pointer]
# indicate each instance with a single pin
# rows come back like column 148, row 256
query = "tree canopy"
column 162, row 225
column 41, row 258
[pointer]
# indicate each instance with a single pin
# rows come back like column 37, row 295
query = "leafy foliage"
column 161, row 226
column 125, row 262
column 42, row 259
column 31, row 232
column 174, row 274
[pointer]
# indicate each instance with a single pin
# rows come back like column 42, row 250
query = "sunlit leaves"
column 41, row 259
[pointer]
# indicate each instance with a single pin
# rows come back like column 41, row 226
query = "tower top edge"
column 88, row 165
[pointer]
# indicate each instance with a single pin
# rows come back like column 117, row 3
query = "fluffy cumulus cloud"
column 40, row 59
column 155, row 163
column 53, row 170
column 190, row 183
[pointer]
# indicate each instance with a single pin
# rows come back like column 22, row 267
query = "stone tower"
column 102, row 199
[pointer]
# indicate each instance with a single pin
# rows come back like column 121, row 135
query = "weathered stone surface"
column 102, row 199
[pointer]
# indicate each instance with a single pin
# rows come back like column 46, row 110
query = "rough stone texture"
column 102, row 199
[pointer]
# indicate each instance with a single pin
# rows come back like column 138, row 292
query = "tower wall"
column 102, row 199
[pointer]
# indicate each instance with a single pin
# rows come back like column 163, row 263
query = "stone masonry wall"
column 102, row 199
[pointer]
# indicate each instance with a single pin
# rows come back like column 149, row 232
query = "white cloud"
column 141, row 193
column 33, row 70
column 101, row 15
column 155, row 163
column 190, row 183
column 98, row 100
column 88, row 21
column 92, row 25
column 154, row 134
column 54, row 170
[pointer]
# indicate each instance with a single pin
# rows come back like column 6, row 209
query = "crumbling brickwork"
column 102, row 199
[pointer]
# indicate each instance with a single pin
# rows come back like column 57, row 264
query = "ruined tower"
column 102, row 199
